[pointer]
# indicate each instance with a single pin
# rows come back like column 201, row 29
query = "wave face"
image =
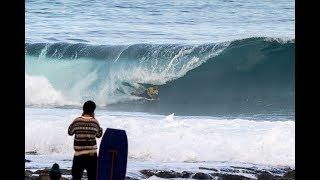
column 254, row 75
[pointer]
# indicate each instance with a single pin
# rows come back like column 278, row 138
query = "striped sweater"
column 85, row 129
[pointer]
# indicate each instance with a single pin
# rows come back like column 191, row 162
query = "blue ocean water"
column 225, row 70
column 143, row 21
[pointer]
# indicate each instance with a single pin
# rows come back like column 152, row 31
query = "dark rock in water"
column 222, row 176
column 67, row 160
column 265, row 176
column 230, row 170
column 27, row 174
column 168, row 174
column 44, row 177
column 211, row 169
column 44, row 174
column 65, row 171
column 26, row 160
column 186, row 174
column 248, row 170
column 277, row 171
column 42, row 171
column 148, row 172
column 31, row 153
column 201, row 175
column 31, row 178
column 237, row 167
column 289, row 175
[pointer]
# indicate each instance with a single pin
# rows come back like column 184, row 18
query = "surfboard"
column 113, row 154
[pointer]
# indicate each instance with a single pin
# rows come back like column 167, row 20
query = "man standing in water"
column 86, row 129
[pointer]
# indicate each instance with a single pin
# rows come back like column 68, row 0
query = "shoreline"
column 148, row 170
column 226, row 174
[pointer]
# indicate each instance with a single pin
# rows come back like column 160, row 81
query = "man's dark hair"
column 89, row 107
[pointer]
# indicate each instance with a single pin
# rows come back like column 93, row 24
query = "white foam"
column 281, row 40
column 39, row 91
column 172, row 138
column 150, row 70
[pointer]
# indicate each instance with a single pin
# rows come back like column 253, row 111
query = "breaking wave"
column 253, row 75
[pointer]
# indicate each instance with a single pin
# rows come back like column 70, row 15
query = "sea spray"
column 158, row 138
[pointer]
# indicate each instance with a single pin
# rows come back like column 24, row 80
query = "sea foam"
column 171, row 138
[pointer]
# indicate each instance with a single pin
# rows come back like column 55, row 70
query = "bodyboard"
column 113, row 154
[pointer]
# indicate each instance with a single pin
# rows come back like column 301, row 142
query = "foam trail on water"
column 171, row 138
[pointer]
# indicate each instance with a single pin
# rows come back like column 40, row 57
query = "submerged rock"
column 65, row 171
column 261, row 175
column 162, row 173
column 248, row 170
column 222, row 176
column 277, row 171
column 168, row 174
column 289, row 175
column 42, row 171
column 148, row 172
column 211, row 169
column 31, row 178
column 265, row 176
column 186, row 174
column 201, row 175
column 26, row 160
column 230, row 170
column 44, row 177
column 32, row 153
column 28, row 175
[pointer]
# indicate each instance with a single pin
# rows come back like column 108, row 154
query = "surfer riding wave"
column 150, row 93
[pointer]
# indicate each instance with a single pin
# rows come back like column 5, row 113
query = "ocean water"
column 141, row 21
column 225, row 72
